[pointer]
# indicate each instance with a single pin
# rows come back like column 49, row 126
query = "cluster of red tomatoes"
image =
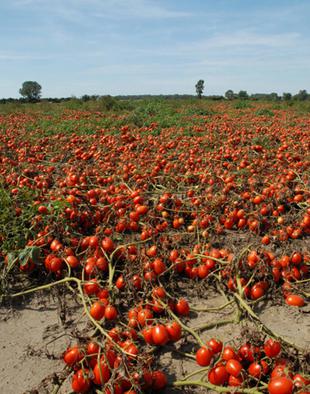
column 132, row 214
column 256, row 364
column 119, row 374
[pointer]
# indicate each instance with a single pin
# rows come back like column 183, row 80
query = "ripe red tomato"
column 228, row 353
column 159, row 380
column 92, row 348
column 279, row 371
column 174, row 330
column 160, row 335
column 255, row 369
column 152, row 251
column 295, row 300
column 72, row 355
column 280, row 385
column 203, row 356
column 97, row 310
column 102, row 264
column 159, row 266
column 159, row 292
column 108, row 244
column 147, row 335
column 272, row 348
column 218, row 376
column 110, row 312
column 296, row 258
column 73, row 261
column 80, row 381
column 233, row 367
column 101, row 373
column 91, row 287
column 235, row 382
column 246, row 352
column 55, row 264
column 215, row 345
column 145, row 316
column 182, row 307
column 257, row 291
column 300, row 381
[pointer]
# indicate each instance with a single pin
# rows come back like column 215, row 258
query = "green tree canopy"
column 230, row 94
column 31, row 90
column 243, row 94
column 199, row 87
column 287, row 96
column 302, row 95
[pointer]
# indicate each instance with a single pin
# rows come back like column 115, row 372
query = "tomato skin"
column 233, row 367
column 272, row 348
column 97, row 310
column 296, row 259
column 174, row 331
column 257, row 292
column 145, row 317
column 280, row 385
column 73, row 261
column 255, row 369
column 182, row 307
column 246, row 352
column 215, row 345
column 80, row 382
column 159, row 292
column 110, row 312
column 228, row 353
column 278, row 371
column 72, row 355
column 91, row 287
column 159, row 380
column 235, row 381
column 92, row 349
column 147, row 335
column 295, row 300
column 105, row 373
column 159, row 266
column 218, row 376
column 160, row 335
column 204, row 356
column 120, row 282
column 108, row 244
column 55, row 264
column 300, row 381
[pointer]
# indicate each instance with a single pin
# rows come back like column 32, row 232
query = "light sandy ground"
column 32, row 340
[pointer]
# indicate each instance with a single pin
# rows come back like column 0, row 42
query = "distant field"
column 164, row 243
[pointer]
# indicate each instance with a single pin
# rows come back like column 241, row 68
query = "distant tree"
column 302, row 95
column 199, row 87
column 243, row 94
column 85, row 97
column 273, row 96
column 30, row 90
column 287, row 96
column 230, row 94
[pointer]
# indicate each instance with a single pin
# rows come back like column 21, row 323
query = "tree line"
column 31, row 92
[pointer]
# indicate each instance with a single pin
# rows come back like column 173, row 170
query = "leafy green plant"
column 264, row 112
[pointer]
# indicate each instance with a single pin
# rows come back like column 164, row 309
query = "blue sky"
column 75, row 47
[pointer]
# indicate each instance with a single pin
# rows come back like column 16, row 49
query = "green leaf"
column 35, row 253
column 24, row 256
column 12, row 259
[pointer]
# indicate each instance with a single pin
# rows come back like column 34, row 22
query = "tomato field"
column 181, row 231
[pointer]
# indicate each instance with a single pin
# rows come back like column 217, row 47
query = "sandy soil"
column 33, row 338
column 32, row 341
